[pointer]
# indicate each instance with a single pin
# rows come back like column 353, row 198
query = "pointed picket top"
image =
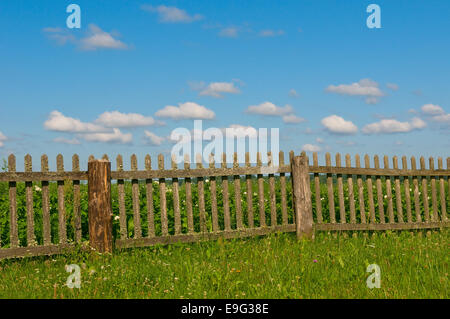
column 440, row 166
column 328, row 159
column 366, row 161
column 91, row 158
column 60, row 163
column 11, row 163
column 161, row 161
column 338, row 160
column 174, row 161
column 105, row 157
column 404, row 162
column 119, row 163
column 212, row 162
column 199, row 160
column 431, row 162
column 376, row 161
column 134, row 162
column 386, row 161
column 28, row 163
column 291, row 157
column 75, row 163
column 281, row 158
column 44, row 163
column 357, row 160
column 348, row 160
column 187, row 164
column 148, row 162
column 413, row 163
column 422, row 162
column 395, row 162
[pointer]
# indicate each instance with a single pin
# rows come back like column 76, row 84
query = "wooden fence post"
column 302, row 197
column 100, row 210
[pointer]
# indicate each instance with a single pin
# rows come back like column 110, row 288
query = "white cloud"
column 269, row 109
column 392, row 86
column 270, row 33
column 389, row 126
column 293, row 119
column 99, row 39
column 3, row 138
column 153, row 139
column 60, row 123
column 444, row 118
column 311, row 148
column 116, row 136
column 172, row 14
column 188, row 110
column 365, row 87
column 240, row 131
column 293, row 93
column 230, row 32
column 432, row 109
column 336, row 124
column 118, row 119
column 63, row 140
column 215, row 89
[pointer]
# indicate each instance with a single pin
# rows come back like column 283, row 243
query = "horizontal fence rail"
column 46, row 212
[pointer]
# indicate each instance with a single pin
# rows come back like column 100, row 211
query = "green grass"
column 413, row 265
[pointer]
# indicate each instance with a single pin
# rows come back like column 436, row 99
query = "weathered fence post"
column 100, row 211
column 302, row 197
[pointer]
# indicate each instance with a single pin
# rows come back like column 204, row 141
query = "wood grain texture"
column 340, row 191
column 121, row 199
column 359, row 181
column 370, row 191
column 201, row 196
column 284, row 213
column 272, row 195
column 416, row 191
column 390, row 207
column 261, row 205
column 46, row 228
column 237, row 194
column 330, row 190
column 188, row 186
column 62, row 228
column 76, row 200
column 176, row 199
column 135, row 199
column 407, row 191
column 162, row 198
column 442, row 192
column 351, row 196
column 213, row 190
column 31, row 238
column 225, row 196
column 13, row 228
column 302, row 197
column 149, row 197
column 398, row 193
column 380, row 200
column 434, row 204
column 424, row 181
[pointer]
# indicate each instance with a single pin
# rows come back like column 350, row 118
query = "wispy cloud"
column 390, row 126
column 151, row 138
column 215, row 89
column 365, row 88
column 171, row 14
column 116, row 136
column 3, row 138
column 94, row 39
column 63, row 140
column 188, row 110
column 229, row 32
column 311, row 148
column 270, row 33
column 129, row 120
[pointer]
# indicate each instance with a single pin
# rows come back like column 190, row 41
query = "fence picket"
column 162, row 198
column 176, row 199
column 407, row 191
column 379, row 191
column 248, row 179
column 359, row 181
column 237, row 194
column 398, row 192
column 390, row 207
column 370, row 191
column 272, row 198
column 425, row 191
column 149, row 196
column 31, row 238
column 46, row 228
column 434, row 217
column 121, row 194
column 62, row 230
column 332, row 211
column 188, row 185
column 262, row 209
column 442, row 192
column 284, row 214
column 135, row 199
column 213, row 190
column 13, row 232
column 351, row 196
column 201, row 196
column 76, row 199
column 340, row 191
column 416, row 191
column 225, row 196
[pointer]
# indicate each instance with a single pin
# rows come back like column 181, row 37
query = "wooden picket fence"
column 354, row 187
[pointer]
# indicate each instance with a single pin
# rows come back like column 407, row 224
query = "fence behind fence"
column 164, row 206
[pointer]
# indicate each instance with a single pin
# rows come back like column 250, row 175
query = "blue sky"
column 313, row 69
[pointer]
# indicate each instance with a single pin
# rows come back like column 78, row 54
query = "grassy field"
column 413, row 265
